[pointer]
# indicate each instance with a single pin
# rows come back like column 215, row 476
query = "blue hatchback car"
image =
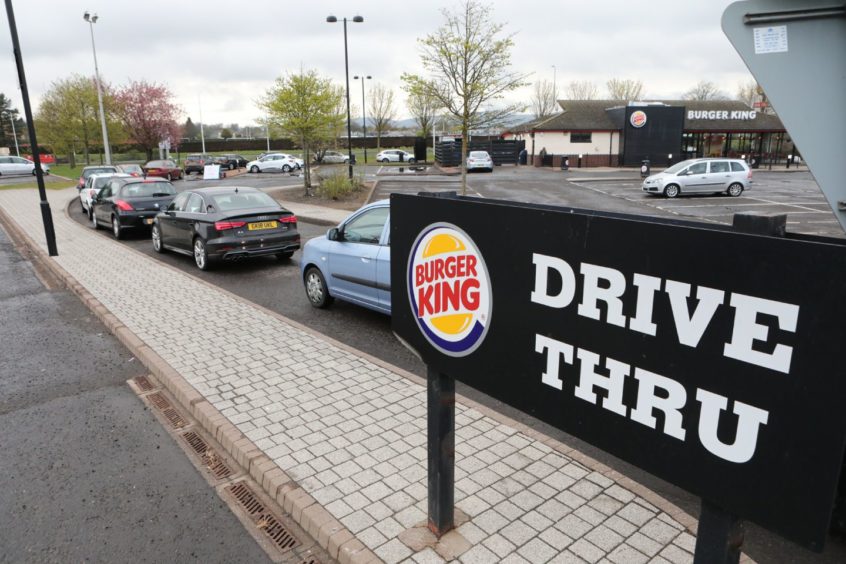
column 352, row 262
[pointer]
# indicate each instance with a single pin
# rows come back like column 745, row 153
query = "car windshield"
column 677, row 167
column 157, row 164
column 479, row 154
column 147, row 189
column 88, row 172
column 243, row 201
column 101, row 181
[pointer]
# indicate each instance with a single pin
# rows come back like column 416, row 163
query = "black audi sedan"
column 130, row 203
column 225, row 223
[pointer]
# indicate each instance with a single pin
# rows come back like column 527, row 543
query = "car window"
column 195, row 204
column 20, row 160
column 719, row 166
column 367, row 227
column 146, row 189
column 243, row 201
column 178, row 203
column 737, row 167
column 5, row 160
column 698, row 168
column 100, row 182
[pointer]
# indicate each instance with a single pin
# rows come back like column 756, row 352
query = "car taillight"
column 288, row 219
column 124, row 205
column 749, row 174
column 224, row 225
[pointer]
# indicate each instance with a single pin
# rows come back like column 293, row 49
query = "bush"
column 337, row 185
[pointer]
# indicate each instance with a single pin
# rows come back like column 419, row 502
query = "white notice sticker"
column 771, row 39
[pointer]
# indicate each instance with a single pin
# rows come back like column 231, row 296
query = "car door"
column 719, row 176
column 383, row 269
column 102, row 203
column 167, row 220
column 6, row 165
column 695, row 178
column 22, row 166
column 353, row 257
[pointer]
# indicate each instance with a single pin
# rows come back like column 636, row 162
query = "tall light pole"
column 363, row 113
column 554, row 85
column 14, row 134
column 91, row 21
column 356, row 19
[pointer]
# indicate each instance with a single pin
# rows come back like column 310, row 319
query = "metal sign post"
column 441, row 450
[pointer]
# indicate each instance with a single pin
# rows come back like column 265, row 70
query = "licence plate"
column 261, row 225
column 149, row 221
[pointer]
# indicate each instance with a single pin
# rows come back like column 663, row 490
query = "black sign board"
column 710, row 358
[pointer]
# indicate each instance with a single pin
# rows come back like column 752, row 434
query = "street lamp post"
column 363, row 113
column 91, row 21
column 554, row 85
column 14, row 134
column 356, row 19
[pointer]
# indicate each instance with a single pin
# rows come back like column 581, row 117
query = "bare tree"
column 624, row 89
column 705, row 90
column 423, row 106
column 749, row 92
column 382, row 111
column 582, row 90
column 543, row 99
column 469, row 64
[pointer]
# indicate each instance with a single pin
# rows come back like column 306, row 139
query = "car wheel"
column 385, row 160
column 254, row 169
column 33, row 172
column 671, row 190
column 116, row 229
column 93, row 218
column 286, row 168
column 412, row 161
column 285, row 256
column 201, row 255
column 169, row 177
column 316, row 290
column 735, row 190
column 231, row 166
column 156, row 236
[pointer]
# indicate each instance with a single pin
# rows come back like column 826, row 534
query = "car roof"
column 89, row 167
column 111, row 175
column 211, row 190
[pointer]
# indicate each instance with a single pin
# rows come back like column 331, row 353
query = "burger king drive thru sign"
column 718, row 373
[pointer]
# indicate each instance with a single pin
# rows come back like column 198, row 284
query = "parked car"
column 701, row 176
column 18, row 165
column 225, row 223
column 164, row 169
column 197, row 162
column 89, row 170
column 131, row 169
column 130, row 203
column 231, row 161
column 352, row 262
column 395, row 156
column 92, row 187
column 334, row 157
column 479, row 160
column 274, row 162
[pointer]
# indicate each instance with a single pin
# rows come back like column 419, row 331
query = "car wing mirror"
column 335, row 234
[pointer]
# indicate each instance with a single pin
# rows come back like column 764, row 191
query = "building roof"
column 592, row 115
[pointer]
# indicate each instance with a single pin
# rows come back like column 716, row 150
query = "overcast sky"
column 227, row 53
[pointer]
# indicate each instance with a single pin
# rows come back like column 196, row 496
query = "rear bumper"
column 137, row 218
column 232, row 248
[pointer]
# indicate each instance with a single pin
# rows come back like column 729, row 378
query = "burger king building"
column 624, row 133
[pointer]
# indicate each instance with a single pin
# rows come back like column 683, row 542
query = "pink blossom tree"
column 149, row 114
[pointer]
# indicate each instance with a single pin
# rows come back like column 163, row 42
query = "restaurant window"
column 580, row 137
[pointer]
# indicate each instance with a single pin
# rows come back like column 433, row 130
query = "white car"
column 275, row 162
column 696, row 176
column 18, row 165
column 93, row 184
column 395, row 156
column 334, row 157
column 479, row 160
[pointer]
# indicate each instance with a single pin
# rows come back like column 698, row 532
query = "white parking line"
column 786, row 204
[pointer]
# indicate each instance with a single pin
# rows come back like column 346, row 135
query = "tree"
column 704, row 90
column 68, row 117
column 422, row 106
column 226, row 134
column 304, row 106
column 469, row 63
column 382, row 111
column 8, row 114
column 624, row 89
column 149, row 115
column 543, row 99
column 190, row 130
column 582, row 90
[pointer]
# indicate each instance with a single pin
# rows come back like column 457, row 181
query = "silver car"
column 701, row 176
column 395, row 156
column 19, row 165
column 479, row 160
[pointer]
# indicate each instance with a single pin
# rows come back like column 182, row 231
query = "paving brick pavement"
column 350, row 432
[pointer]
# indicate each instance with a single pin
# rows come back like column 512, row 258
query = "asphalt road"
column 86, row 472
column 278, row 286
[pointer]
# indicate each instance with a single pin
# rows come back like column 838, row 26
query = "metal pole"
column 554, row 85
column 349, row 118
column 267, row 131
column 14, row 134
column 364, row 119
column 441, row 450
column 106, row 147
column 46, row 216
column 202, row 134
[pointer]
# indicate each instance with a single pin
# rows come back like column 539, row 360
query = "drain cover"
column 143, row 383
column 173, row 416
column 264, row 520
column 218, row 468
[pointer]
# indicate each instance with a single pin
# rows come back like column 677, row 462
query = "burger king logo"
column 449, row 289
column 638, row 118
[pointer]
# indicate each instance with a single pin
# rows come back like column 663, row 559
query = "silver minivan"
column 701, row 176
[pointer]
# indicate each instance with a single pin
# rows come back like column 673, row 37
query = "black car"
column 231, row 162
column 225, row 223
column 130, row 203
